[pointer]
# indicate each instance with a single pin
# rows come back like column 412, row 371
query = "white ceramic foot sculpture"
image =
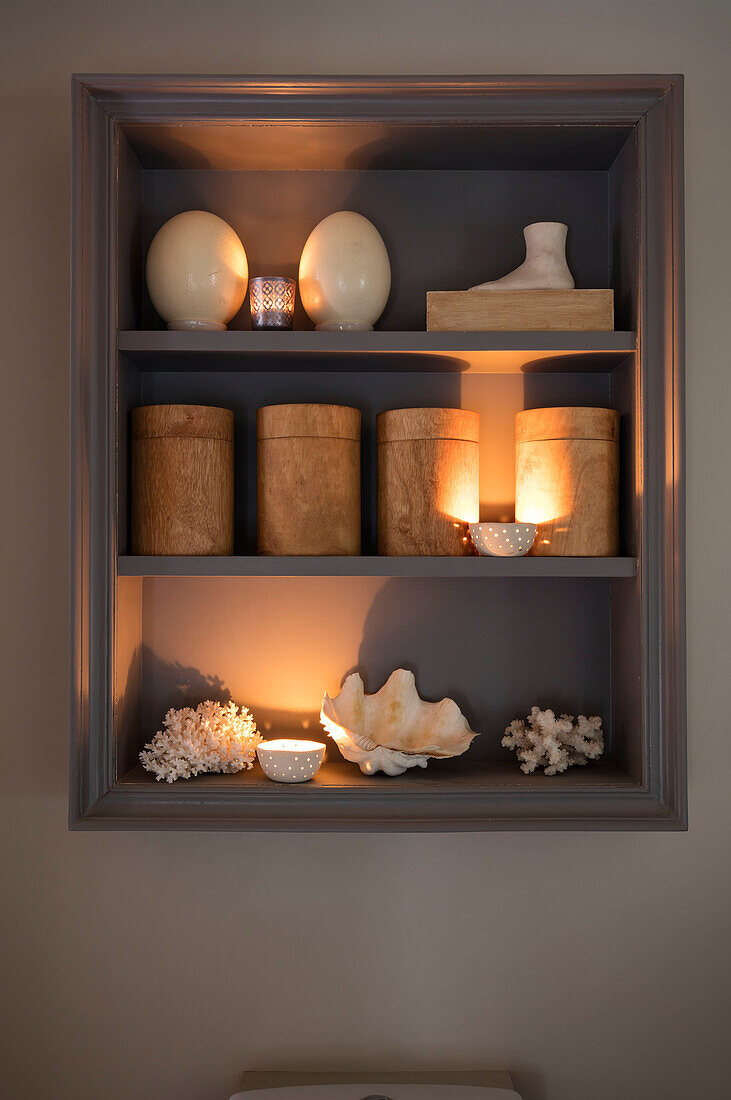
column 544, row 267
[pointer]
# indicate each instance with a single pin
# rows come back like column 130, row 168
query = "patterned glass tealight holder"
column 272, row 302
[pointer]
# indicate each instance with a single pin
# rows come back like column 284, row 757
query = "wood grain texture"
column 308, row 480
column 182, row 421
column 315, row 421
column 182, row 480
column 428, row 481
column 567, row 422
column 567, row 480
column 520, row 310
column 409, row 424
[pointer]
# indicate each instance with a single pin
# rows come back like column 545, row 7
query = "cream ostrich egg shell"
column 345, row 274
column 197, row 272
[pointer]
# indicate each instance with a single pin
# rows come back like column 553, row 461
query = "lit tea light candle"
column 288, row 761
column 272, row 302
column 503, row 540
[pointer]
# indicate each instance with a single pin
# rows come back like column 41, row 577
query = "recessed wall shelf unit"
column 449, row 170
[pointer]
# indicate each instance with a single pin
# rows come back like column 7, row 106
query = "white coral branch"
column 213, row 737
column 554, row 743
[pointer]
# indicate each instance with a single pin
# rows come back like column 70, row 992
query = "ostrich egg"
column 345, row 274
column 197, row 272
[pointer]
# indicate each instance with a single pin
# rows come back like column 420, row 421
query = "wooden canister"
column 428, row 481
column 567, row 480
column 182, row 480
column 308, row 479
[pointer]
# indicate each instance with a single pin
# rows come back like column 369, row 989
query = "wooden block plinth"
column 520, row 311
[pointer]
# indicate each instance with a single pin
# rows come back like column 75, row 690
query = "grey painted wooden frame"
column 653, row 106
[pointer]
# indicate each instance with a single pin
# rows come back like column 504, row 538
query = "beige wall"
column 149, row 965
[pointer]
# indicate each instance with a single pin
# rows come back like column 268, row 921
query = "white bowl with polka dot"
column 503, row 540
column 289, row 761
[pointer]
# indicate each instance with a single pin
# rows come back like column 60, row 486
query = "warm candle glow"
column 540, row 505
column 284, row 744
column 290, row 761
column 457, row 498
column 567, row 479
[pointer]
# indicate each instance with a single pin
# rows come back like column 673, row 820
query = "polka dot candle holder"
column 287, row 761
column 503, row 540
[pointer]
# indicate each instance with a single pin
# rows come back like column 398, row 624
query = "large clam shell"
column 394, row 729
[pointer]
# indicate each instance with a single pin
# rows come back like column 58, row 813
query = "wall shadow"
column 496, row 648
column 182, row 685
column 153, row 686
column 127, row 720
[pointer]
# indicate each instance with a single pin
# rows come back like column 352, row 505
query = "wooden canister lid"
column 314, row 421
column 182, row 421
column 567, row 422
column 405, row 424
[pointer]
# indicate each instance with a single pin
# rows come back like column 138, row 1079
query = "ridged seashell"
column 394, row 729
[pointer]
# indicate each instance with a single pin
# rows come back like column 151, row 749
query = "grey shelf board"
column 463, row 794
column 253, row 566
column 458, row 352
column 464, row 773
